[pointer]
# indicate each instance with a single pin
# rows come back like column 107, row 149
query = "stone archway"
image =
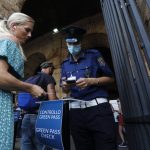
column 32, row 64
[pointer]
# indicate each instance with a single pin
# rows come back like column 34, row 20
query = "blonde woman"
column 13, row 32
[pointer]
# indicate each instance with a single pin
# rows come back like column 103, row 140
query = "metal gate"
column 130, row 49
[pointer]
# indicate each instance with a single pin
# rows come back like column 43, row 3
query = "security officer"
column 85, row 75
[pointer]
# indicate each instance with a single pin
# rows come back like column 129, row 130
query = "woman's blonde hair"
column 16, row 18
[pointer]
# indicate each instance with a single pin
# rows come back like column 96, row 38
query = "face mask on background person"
column 74, row 49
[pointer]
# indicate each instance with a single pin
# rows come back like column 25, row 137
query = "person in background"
column 115, row 109
column 17, row 117
column 13, row 33
column 121, row 127
column 84, row 74
column 29, row 141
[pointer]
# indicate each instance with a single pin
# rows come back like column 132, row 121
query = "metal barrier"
column 148, row 3
column 130, row 44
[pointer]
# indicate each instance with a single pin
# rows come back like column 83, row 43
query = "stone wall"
column 145, row 13
column 7, row 7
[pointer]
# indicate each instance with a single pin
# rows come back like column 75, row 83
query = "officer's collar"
column 82, row 55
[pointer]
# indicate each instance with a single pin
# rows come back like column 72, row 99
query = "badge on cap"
column 73, row 34
column 71, row 40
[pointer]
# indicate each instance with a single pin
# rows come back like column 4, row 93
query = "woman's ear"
column 13, row 26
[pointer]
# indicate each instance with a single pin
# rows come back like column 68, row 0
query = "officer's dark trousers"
column 93, row 128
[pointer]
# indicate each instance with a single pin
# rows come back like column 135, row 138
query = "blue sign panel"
column 49, row 124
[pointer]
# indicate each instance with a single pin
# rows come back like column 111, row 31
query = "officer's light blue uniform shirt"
column 89, row 65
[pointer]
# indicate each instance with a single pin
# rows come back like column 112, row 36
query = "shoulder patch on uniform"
column 101, row 61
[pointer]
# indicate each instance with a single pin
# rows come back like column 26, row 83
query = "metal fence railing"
column 130, row 44
column 148, row 3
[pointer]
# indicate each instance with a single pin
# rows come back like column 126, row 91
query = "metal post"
column 66, row 126
column 126, row 32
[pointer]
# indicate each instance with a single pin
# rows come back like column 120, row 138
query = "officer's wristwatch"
column 98, row 82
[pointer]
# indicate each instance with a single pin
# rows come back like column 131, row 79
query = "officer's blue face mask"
column 74, row 49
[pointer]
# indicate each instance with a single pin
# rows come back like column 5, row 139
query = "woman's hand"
column 37, row 91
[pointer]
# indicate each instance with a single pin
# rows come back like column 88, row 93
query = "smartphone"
column 71, row 80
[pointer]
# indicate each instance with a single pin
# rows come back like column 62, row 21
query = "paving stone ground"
column 17, row 145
